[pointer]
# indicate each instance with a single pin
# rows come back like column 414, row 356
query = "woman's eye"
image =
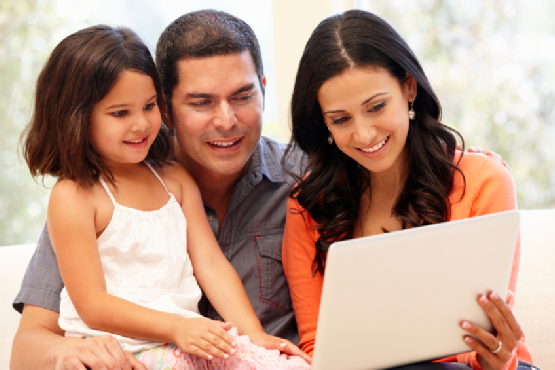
column 340, row 120
column 377, row 107
column 120, row 113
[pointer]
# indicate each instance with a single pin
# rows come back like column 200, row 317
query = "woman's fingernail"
column 226, row 355
column 493, row 295
column 468, row 340
column 466, row 325
column 210, row 357
column 282, row 345
column 233, row 343
column 483, row 299
column 232, row 351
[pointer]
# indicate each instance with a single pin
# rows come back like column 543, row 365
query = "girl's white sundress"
column 145, row 261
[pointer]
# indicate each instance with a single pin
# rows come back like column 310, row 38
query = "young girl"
column 381, row 161
column 127, row 224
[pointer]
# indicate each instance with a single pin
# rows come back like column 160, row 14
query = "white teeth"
column 135, row 141
column 223, row 144
column 375, row 147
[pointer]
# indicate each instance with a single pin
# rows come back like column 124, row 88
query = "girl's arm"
column 217, row 277
column 71, row 223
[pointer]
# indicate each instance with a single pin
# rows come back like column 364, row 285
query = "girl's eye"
column 120, row 113
column 150, row 106
column 377, row 107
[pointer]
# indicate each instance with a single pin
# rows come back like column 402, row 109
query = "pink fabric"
column 247, row 356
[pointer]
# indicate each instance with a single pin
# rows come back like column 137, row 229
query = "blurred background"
column 491, row 62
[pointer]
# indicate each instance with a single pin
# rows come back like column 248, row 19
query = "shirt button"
column 210, row 217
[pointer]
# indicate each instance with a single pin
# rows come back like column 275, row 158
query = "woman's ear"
column 410, row 88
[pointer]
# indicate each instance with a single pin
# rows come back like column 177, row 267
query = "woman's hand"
column 270, row 342
column 494, row 352
column 204, row 338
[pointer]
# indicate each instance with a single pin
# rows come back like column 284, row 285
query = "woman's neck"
column 378, row 201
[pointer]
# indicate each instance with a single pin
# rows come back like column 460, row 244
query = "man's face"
column 217, row 113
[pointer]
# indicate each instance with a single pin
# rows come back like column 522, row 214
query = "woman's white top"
column 145, row 261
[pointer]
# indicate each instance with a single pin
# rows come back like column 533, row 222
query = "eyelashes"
column 375, row 108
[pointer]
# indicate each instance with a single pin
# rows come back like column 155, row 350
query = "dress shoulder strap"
column 155, row 174
column 103, row 183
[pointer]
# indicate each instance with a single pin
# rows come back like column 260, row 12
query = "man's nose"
column 225, row 117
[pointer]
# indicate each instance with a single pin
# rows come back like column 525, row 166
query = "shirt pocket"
column 274, row 290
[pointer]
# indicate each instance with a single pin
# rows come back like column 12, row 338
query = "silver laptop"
column 398, row 298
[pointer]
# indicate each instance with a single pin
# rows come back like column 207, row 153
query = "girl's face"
column 125, row 123
column 366, row 111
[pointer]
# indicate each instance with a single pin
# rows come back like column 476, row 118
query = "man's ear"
column 164, row 112
column 410, row 88
column 264, row 97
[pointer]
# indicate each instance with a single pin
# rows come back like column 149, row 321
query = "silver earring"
column 412, row 113
column 330, row 139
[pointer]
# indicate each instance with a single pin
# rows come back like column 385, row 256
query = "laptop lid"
column 398, row 298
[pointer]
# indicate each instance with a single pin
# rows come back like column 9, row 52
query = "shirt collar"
column 266, row 160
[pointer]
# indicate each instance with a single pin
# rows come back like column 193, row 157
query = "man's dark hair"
column 203, row 34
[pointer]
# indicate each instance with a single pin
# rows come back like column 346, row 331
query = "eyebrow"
column 125, row 105
column 240, row 90
column 364, row 102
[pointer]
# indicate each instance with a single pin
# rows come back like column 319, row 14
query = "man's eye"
column 201, row 103
column 120, row 113
column 244, row 98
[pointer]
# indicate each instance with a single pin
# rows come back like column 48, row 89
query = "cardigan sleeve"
column 298, row 252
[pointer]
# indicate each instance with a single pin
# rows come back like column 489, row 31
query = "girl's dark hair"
column 332, row 190
column 80, row 72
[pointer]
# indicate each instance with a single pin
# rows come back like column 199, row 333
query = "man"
column 213, row 81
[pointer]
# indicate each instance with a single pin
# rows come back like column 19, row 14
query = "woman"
column 381, row 161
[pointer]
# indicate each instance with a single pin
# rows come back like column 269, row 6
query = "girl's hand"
column 270, row 342
column 204, row 338
column 494, row 352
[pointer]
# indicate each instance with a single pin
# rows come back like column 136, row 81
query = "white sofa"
column 534, row 303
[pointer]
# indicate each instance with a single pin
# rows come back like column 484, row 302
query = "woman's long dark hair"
column 332, row 190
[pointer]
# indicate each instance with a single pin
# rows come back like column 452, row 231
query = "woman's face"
column 366, row 111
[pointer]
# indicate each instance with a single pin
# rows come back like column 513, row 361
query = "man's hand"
column 98, row 353
column 477, row 149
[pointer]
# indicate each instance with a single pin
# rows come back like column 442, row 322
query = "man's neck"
column 216, row 189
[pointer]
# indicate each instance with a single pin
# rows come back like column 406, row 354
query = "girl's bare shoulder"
column 70, row 192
